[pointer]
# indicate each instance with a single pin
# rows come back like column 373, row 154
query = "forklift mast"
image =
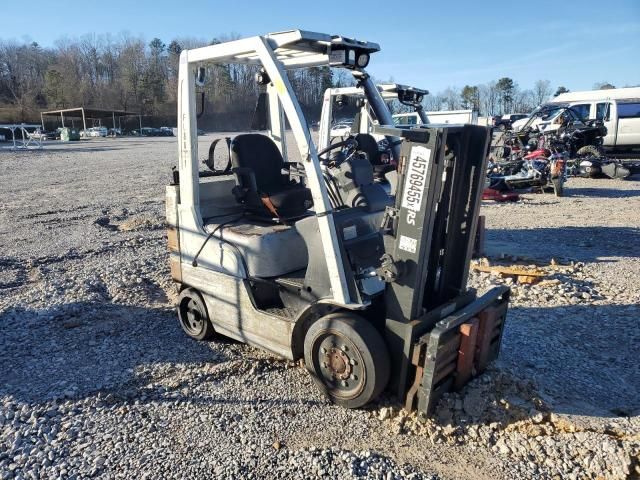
column 429, row 235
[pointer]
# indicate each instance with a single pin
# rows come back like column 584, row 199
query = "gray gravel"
column 96, row 378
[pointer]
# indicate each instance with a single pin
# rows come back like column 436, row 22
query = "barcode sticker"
column 408, row 244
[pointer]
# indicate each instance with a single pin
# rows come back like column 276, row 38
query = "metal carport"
column 89, row 113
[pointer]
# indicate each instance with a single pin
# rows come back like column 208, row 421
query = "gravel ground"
column 97, row 379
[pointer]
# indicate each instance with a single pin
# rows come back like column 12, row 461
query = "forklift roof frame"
column 275, row 53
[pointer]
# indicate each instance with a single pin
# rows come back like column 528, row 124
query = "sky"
column 427, row 44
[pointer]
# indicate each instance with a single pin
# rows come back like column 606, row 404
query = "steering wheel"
column 350, row 145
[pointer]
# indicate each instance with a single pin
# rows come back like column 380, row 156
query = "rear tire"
column 193, row 315
column 589, row 151
column 348, row 359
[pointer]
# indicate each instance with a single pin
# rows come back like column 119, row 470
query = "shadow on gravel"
column 77, row 349
column 586, row 244
column 583, row 357
column 83, row 149
column 603, row 192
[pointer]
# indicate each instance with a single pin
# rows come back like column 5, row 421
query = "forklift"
column 339, row 98
column 376, row 147
column 368, row 290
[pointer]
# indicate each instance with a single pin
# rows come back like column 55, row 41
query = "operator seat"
column 367, row 144
column 261, row 185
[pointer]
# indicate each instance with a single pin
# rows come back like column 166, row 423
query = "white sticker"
column 416, row 178
column 408, row 244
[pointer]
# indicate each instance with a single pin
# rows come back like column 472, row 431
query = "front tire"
column 347, row 358
column 558, row 186
column 193, row 315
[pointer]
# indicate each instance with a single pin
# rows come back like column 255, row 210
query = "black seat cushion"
column 259, row 154
column 293, row 201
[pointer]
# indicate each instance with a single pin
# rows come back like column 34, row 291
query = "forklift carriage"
column 370, row 290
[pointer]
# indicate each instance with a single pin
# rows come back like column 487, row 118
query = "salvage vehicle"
column 321, row 266
column 560, row 125
column 539, row 170
column 618, row 109
column 600, row 167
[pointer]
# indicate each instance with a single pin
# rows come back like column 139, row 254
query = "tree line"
column 499, row 97
column 126, row 73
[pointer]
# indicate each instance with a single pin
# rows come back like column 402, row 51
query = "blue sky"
column 428, row 44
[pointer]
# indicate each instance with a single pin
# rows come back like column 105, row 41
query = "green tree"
column 506, row 89
column 470, row 96
column 603, row 86
column 541, row 91
column 157, row 48
column 54, row 88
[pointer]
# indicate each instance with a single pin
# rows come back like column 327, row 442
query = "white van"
column 618, row 108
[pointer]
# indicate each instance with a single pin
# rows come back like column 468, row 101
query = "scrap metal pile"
column 540, row 157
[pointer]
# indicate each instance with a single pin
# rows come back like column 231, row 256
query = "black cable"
column 195, row 259
column 330, row 191
column 337, row 189
column 232, row 245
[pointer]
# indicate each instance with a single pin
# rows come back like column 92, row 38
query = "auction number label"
column 415, row 181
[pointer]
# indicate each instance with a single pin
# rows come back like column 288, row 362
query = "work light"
column 363, row 60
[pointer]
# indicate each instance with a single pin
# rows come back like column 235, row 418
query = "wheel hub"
column 338, row 363
column 193, row 320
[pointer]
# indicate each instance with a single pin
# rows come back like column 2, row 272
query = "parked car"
column 115, row 132
column 505, row 122
column 146, row 132
column 94, row 132
column 166, row 131
column 341, row 128
column 43, row 135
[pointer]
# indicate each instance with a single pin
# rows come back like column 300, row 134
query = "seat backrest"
column 260, row 154
column 368, row 145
